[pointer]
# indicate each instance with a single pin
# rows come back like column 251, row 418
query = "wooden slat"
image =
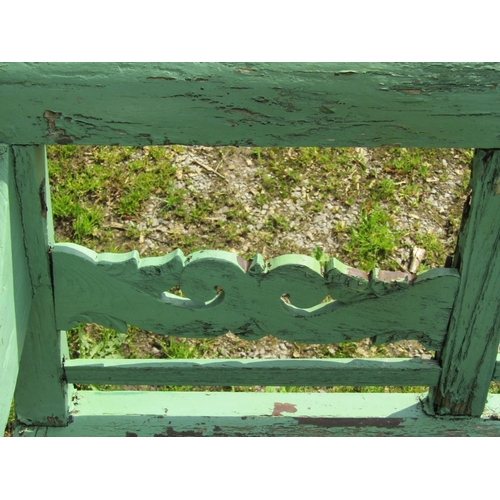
column 235, row 372
column 15, row 285
column 164, row 414
column 471, row 347
column 115, row 290
column 264, row 104
column 41, row 395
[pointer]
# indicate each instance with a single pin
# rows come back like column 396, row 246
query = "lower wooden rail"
column 166, row 414
column 269, row 372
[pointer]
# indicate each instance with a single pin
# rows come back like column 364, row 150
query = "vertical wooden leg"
column 15, row 286
column 471, row 346
column 42, row 394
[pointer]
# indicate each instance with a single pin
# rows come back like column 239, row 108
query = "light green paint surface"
column 263, row 104
column 471, row 348
column 235, row 372
column 116, row 290
column 15, row 285
column 261, row 414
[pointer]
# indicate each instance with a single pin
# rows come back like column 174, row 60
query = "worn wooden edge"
column 236, row 372
column 16, row 290
column 260, row 104
column 172, row 414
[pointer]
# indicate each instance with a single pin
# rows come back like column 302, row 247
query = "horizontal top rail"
column 251, row 104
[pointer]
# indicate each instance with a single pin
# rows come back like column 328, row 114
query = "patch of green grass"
column 11, row 422
column 384, row 189
column 275, row 221
column 495, row 388
column 374, row 237
column 407, row 161
column 89, row 183
column 436, row 252
column 349, row 389
column 174, row 202
column 87, row 221
column 177, row 348
column 93, row 341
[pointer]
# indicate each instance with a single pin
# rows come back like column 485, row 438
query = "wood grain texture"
column 471, row 347
column 236, row 372
column 262, row 104
column 172, row 414
column 119, row 290
column 16, row 290
column 41, row 395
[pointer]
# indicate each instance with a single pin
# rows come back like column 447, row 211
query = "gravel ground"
column 211, row 173
column 202, row 171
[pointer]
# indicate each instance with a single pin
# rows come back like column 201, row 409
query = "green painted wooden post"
column 470, row 350
column 15, row 285
column 41, row 395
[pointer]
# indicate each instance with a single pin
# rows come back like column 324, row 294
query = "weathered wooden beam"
column 261, row 104
column 16, row 291
column 236, row 372
column 165, row 414
column 282, row 297
column 470, row 350
column 41, row 395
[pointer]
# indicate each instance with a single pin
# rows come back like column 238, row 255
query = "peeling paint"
column 357, row 273
column 59, row 135
column 385, row 423
column 55, row 422
column 283, row 407
column 246, row 112
column 171, row 432
column 43, row 204
column 390, row 276
column 166, row 78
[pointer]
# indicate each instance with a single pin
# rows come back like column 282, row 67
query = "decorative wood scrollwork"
column 290, row 296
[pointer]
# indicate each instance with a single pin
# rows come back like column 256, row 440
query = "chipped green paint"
column 172, row 414
column 470, row 351
column 242, row 372
column 262, row 104
column 16, row 290
column 282, row 297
